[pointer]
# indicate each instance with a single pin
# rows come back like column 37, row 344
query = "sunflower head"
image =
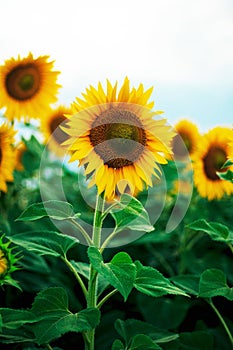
column 7, row 155
column 28, row 86
column 213, row 151
column 8, row 263
column 50, row 125
column 186, row 140
column 115, row 136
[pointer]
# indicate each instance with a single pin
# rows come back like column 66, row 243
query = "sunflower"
column 28, row 86
column 116, row 138
column 7, row 155
column 53, row 134
column 20, row 149
column 186, row 140
column 212, row 153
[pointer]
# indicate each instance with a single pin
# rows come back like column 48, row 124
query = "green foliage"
column 57, row 210
column 217, row 232
column 169, row 291
column 45, row 242
column 54, row 318
column 152, row 282
column 48, row 318
column 120, row 272
column 213, row 283
column 131, row 214
column 228, row 174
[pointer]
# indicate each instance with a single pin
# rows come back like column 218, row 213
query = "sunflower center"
column 58, row 134
column 181, row 144
column 118, row 137
column 23, row 82
column 0, row 156
column 213, row 161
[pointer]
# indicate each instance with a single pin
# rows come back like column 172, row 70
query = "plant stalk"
column 221, row 320
column 92, row 285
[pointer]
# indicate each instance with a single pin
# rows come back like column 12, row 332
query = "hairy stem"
column 114, row 291
column 92, row 285
column 84, row 232
column 80, row 281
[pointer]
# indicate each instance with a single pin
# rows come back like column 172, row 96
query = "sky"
column 183, row 48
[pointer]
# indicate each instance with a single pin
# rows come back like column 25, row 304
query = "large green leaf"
column 120, row 272
column 54, row 209
column 213, row 283
column 54, row 318
column 118, row 345
column 45, row 242
column 13, row 318
column 198, row 340
column 171, row 311
column 131, row 327
column 15, row 326
column 189, row 283
column 217, row 231
column 151, row 282
column 142, row 342
column 130, row 213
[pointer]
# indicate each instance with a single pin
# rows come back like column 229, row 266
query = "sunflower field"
column 116, row 228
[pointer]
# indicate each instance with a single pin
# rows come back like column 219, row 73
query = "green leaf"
column 84, row 270
column 196, row 340
column 131, row 327
column 217, row 231
column 213, row 283
column 20, row 335
column 13, row 319
column 189, row 283
column 54, row 209
column 130, row 213
column 151, row 282
column 171, row 311
column 142, row 342
column 45, row 242
column 118, row 345
column 120, row 272
column 228, row 163
column 227, row 176
column 54, row 318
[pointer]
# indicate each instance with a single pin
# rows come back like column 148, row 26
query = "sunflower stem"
column 92, row 285
column 97, row 225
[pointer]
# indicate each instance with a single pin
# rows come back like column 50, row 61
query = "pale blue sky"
column 183, row 48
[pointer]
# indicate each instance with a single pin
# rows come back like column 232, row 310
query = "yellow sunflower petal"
column 28, row 87
column 111, row 120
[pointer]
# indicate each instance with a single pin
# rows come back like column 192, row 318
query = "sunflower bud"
column 8, row 263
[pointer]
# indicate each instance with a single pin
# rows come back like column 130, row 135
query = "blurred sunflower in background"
column 7, row 155
column 213, row 151
column 116, row 138
column 20, row 148
column 187, row 138
column 28, row 86
column 54, row 136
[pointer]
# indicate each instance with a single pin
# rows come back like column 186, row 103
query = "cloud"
column 165, row 40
